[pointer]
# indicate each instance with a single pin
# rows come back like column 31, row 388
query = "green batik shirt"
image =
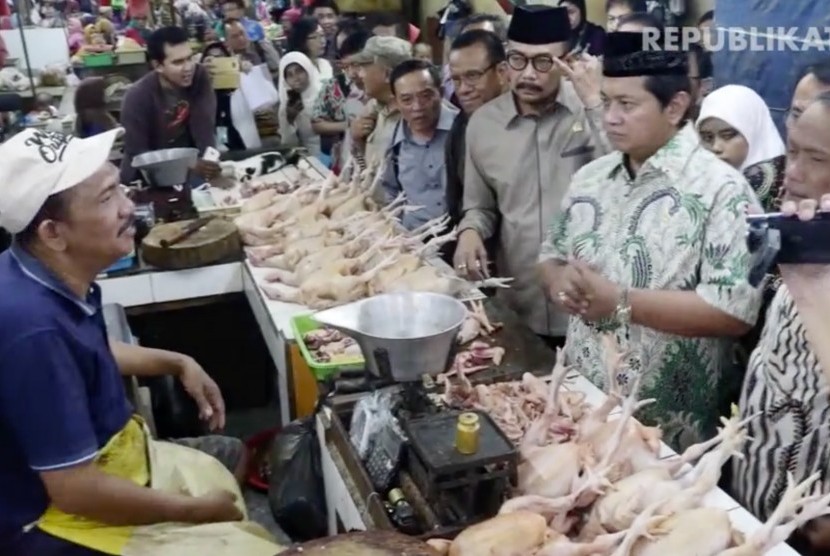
column 678, row 225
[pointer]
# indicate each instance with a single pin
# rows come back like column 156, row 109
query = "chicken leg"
column 561, row 545
column 794, row 510
column 696, row 451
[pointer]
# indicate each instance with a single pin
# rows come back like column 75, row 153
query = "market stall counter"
column 356, row 503
column 501, row 353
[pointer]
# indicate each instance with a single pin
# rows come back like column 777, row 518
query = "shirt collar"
column 566, row 98
column 669, row 159
column 445, row 119
column 35, row 270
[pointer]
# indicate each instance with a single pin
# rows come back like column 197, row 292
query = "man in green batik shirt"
column 651, row 245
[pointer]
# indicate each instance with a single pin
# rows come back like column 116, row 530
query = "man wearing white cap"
column 73, row 452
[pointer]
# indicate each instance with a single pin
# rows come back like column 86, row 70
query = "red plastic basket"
column 259, row 446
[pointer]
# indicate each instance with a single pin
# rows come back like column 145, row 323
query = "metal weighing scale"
column 406, row 340
column 165, row 183
column 174, row 237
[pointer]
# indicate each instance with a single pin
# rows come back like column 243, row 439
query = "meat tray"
column 302, row 325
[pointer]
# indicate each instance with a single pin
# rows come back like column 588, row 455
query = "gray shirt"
column 517, row 171
column 417, row 169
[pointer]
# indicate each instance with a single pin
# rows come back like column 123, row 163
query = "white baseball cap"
column 37, row 164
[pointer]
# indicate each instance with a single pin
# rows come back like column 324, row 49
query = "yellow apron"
column 133, row 455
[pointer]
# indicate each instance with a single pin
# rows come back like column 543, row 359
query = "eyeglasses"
column 542, row 63
column 471, row 77
column 793, row 113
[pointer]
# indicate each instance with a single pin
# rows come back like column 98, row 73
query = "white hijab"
column 301, row 132
column 743, row 109
column 314, row 80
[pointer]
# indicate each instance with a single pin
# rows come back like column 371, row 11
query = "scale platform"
column 462, row 489
column 433, row 439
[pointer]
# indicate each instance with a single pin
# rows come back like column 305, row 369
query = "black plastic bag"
column 296, row 492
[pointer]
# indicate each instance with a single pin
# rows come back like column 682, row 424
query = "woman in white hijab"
column 299, row 85
column 736, row 125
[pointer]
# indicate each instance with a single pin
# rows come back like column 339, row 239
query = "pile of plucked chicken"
column 328, row 243
column 591, row 482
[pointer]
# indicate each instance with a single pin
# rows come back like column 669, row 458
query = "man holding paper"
column 171, row 107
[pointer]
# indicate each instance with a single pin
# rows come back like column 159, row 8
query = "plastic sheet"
column 370, row 415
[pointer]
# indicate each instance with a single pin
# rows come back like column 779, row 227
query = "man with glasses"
column 484, row 22
column 522, row 150
column 478, row 72
column 814, row 82
column 415, row 159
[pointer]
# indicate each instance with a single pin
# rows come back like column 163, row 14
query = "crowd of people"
column 612, row 185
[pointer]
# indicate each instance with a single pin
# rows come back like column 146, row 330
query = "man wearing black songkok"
column 651, row 247
column 523, row 147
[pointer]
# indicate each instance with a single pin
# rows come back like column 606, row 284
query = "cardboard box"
column 225, row 73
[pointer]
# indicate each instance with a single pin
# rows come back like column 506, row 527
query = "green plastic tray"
column 303, row 324
column 101, row 59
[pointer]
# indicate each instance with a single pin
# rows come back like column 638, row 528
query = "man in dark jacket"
column 173, row 106
column 478, row 72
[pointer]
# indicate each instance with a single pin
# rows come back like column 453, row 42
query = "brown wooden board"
column 217, row 240
column 363, row 543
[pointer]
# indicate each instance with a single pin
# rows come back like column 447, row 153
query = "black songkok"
column 538, row 24
column 635, row 53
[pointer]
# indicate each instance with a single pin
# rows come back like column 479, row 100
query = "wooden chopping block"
column 217, row 240
column 363, row 543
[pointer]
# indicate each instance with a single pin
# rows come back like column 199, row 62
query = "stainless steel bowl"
column 406, row 334
column 166, row 167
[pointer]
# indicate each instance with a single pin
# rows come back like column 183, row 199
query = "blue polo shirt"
column 61, row 395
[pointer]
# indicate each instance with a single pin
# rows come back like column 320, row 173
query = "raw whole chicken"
column 325, row 263
column 329, row 243
column 616, row 510
column 325, row 292
column 597, row 487
column 796, row 508
column 511, row 534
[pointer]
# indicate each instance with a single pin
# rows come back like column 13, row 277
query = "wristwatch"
column 620, row 318
column 622, row 313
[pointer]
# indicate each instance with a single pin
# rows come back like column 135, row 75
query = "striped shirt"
column 786, row 384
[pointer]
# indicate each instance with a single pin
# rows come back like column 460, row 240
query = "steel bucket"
column 403, row 336
column 166, row 167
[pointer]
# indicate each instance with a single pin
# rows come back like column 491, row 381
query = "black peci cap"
column 539, row 24
column 636, row 53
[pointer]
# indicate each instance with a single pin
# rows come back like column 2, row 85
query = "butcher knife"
column 188, row 231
